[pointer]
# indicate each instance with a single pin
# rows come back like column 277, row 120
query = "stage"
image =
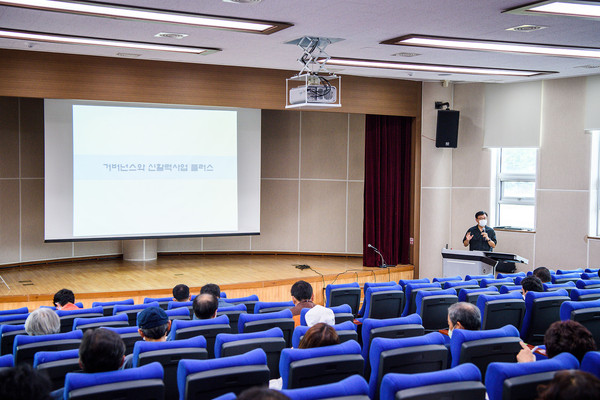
column 268, row 276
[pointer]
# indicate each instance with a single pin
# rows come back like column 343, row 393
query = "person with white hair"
column 43, row 321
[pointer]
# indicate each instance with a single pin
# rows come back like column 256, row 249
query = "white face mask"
column 482, row 222
column 450, row 333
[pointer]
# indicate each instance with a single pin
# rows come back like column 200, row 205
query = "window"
column 515, row 188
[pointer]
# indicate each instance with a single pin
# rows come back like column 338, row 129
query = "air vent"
column 128, row 55
column 588, row 66
column 526, row 28
column 405, row 54
column 170, row 35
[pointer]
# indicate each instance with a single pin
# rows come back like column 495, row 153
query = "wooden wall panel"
column 65, row 76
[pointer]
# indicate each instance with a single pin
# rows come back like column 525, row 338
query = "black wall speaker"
column 446, row 134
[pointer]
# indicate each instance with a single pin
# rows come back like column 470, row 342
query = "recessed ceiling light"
column 526, row 28
column 170, row 35
column 404, row 54
column 242, row 1
column 64, row 39
column 128, row 55
column 566, row 8
column 149, row 14
column 452, row 69
column 588, row 66
column 496, row 46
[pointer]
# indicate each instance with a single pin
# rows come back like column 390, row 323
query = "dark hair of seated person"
column 570, row 385
column 205, row 306
column 319, row 335
column 211, row 288
column 24, row 383
column 543, row 273
column 302, row 291
column 532, row 284
column 181, row 292
column 63, row 296
column 568, row 336
column 101, row 350
column 261, row 393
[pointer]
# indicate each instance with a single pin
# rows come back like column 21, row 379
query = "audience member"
column 42, row 321
column 562, row 336
column 543, row 273
column 101, row 350
column 319, row 335
column 302, row 296
column 319, row 314
column 181, row 292
column 463, row 315
column 532, row 284
column 205, row 306
column 24, row 383
column 571, row 385
column 215, row 290
column 64, row 299
column 153, row 326
column 261, row 393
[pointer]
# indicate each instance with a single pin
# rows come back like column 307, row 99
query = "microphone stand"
column 383, row 264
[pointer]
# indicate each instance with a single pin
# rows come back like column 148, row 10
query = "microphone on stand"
column 383, row 264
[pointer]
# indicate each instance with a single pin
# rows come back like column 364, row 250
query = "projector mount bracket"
column 314, row 58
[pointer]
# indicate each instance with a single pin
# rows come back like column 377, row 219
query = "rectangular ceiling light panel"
column 568, row 8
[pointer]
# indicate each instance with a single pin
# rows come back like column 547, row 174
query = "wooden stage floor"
column 268, row 276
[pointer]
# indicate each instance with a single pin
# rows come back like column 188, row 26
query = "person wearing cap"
column 153, row 326
column 319, row 314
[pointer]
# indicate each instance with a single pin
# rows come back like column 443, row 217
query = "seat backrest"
column 143, row 383
column 168, row 354
column 21, row 310
column 584, row 294
column 163, row 302
column 67, row 316
column 129, row 335
column 511, row 288
column 500, row 310
column 320, row 365
column 107, row 306
column 404, row 282
column 209, row 328
column 564, row 278
column 483, row 347
column 590, row 275
column 346, row 293
column 25, row 347
column 410, row 294
column 448, row 279
column 207, row 379
column 570, row 271
column 409, row 355
column 7, row 337
column 7, row 361
column 270, row 341
column 261, row 322
column 189, row 305
column 132, row 310
column 541, row 310
column 502, row 275
column 233, row 313
column 461, row 382
column 249, row 302
column 56, row 364
column 354, row 387
column 384, row 302
column 346, row 331
column 262, row 307
column 368, row 285
column 178, row 313
column 591, row 363
column 458, row 285
column 587, row 313
column 13, row 319
column 432, row 306
column 471, row 295
column 588, row 284
column 499, row 372
column 487, row 282
column 478, row 278
column 117, row 321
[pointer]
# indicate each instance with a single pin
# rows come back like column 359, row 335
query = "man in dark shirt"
column 480, row 237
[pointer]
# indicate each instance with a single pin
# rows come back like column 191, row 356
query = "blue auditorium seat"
column 56, row 364
column 487, row 282
column 67, row 316
column 25, row 347
column 588, row 284
column 261, row 322
column 233, row 312
column 500, row 377
column 7, row 337
column 116, row 321
column 368, row 285
column 22, row 310
column 346, row 331
column 511, row 288
column 409, row 355
column 404, row 282
column 354, row 387
column 457, row 285
column 163, row 302
column 584, row 294
column 501, row 309
column 432, row 306
column 248, row 301
column 209, row 328
column 206, row 379
column 132, row 310
column 344, row 293
column 587, row 313
column 143, row 383
column 471, row 295
column 448, row 279
column 541, row 310
column 129, row 335
column 556, row 279
column 383, row 302
column 591, row 363
column 178, row 313
column 483, row 347
column 502, row 275
column 320, row 365
column 589, row 275
column 569, row 271
column 7, row 361
column 107, row 306
column 270, row 341
column 588, row 270
column 262, row 307
column 457, row 383
column 568, row 286
column 168, row 354
column 478, row 278
column 13, row 319
column 410, row 294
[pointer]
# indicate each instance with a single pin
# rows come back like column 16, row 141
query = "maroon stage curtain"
column 387, row 189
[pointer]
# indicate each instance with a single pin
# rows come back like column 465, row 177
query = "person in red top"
column 64, row 299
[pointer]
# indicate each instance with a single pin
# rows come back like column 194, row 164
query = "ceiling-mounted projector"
column 313, row 94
